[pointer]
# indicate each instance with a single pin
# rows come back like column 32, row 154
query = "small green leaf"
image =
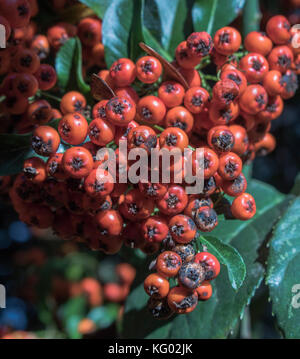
column 283, row 271
column 212, row 15
column 116, row 29
column 229, row 256
column 98, row 6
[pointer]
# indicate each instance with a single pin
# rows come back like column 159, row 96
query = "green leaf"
column 136, row 32
column 165, row 22
column 63, row 63
column 217, row 317
column 229, row 256
column 283, row 271
column 116, row 29
column 98, row 6
column 68, row 63
column 212, row 15
column 14, row 149
column 104, row 316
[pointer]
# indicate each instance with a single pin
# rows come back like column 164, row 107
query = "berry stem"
column 210, row 77
column 48, row 95
column 158, row 128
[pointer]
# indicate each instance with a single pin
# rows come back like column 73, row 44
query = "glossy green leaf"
column 116, row 29
column 283, row 271
column 211, row 15
column 165, row 22
column 68, row 64
column 229, row 256
column 98, row 6
column 217, row 317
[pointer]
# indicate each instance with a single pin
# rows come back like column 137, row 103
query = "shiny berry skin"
column 174, row 201
column 210, row 162
column 173, row 137
column 156, row 286
column 236, row 76
column 99, row 110
column 266, row 145
column 72, row 101
column 151, row 109
column 225, row 92
column 142, row 137
column 199, row 44
column 120, row 111
column 206, row 219
column 210, row 263
column 148, row 69
column 25, row 84
column 241, row 140
column 179, row 117
column 45, row 140
column 54, row 166
column 278, row 29
column 40, row 45
column 254, row 99
column 171, row 93
column 128, row 92
column 273, row 110
column 34, row 169
column 101, row 132
column 255, row 67
column 204, row 291
column 182, row 300
column 236, row 187
column 109, row 223
column 105, row 76
column 168, row 264
column 73, row 128
column 90, row 31
column 182, row 229
column 17, row 12
column 77, row 162
column 154, row 229
column 220, row 139
column 26, row 60
column 123, row 72
column 196, row 99
column 195, row 204
column 98, row 182
column 191, row 76
column 39, row 112
column 243, row 207
column 46, row 76
column 230, row 166
column 135, row 207
column 227, row 40
column 191, row 275
column 258, row 42
column 184, row 57
column 223, row 115
column 281, row 59
column 273, row 83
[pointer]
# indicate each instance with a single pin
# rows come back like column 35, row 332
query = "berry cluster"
column 216, row 96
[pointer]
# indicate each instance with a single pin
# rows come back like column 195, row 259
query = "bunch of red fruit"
column 228, row 114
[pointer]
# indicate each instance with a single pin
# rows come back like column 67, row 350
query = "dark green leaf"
column 217, row 317
column 229, row 256
column 68, row 64
column 63, row 63
column 136, row 32
column 283, row 271
column 164, row 23
column 98, row 6
column 211, row 15
column 116, row 29
column 296, row 188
